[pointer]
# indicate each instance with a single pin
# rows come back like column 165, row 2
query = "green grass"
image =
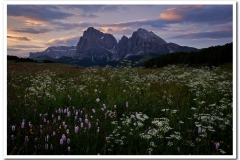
column 136, row 110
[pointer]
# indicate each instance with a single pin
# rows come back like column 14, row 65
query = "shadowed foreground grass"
column 119, row 111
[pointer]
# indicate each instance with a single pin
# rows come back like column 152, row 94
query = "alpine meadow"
column 108, row 80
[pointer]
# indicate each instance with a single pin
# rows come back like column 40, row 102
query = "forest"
column 212, row 56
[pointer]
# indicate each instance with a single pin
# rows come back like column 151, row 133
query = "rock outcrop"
column 95, row 45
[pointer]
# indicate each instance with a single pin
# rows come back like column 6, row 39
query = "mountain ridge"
column 100, row 47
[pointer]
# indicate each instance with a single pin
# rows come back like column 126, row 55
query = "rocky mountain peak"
column 100, row 46
column 95, row 45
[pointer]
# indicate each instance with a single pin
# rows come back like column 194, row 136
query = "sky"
column 33, row 28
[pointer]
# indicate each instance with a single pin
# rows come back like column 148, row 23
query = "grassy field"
column 55, row 109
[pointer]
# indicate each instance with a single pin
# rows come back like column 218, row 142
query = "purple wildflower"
column 13, row 128
column 178, row 149
column 217, row 145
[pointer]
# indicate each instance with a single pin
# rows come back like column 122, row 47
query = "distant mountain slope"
column 55, row 52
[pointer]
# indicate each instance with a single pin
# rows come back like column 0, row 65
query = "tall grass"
column 119, row 111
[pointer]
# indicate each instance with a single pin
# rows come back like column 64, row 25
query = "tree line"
column 17, row 59
column 212, row 56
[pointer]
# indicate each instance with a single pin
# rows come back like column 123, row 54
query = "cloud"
column 205, row 14
column 157, row 23
column 64, row 41
column 211, row 35
column 23, row 46
column 18, row 38
column 43, row 13
column 171, row 15
column 88, row 15
column 68, row 26
column 94, row 8
column 13, row 50
column 32, row 30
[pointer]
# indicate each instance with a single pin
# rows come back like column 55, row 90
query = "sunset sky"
column 32, row 28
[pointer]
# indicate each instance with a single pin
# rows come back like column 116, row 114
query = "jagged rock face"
column 142, row 41
column 56, row 52
column 122, row 48
column 95, row 45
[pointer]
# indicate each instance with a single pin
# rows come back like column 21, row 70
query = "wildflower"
column 136, row 115
column 127, row 104
column 98, row 129
column 86, row 116
column 169, row 143
column 80, row 120
column 97, row 100
column 217, row 145
column 59, row 118
column 115, row 106
column 68, row 114
column 46, row 138
column 104, row 106
column 93, row 110
column 64, row 137
column 12, row 137
column 86, row 121
column 65, row 127
column 46, row 146
column 150, row 152
column 95, row 90
column 13, row 128
column 68, row 140
column 54, row 134
column 178, row 149
column 63, row 123
column 26, row 138
column 81, row 124
column 67, row 131
column 59, row 110
column 61, row 141
column 76, row 129
column 68, row 149
column 22, row 125
column 222, row 151
column 199, row 129
column 181, row 122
